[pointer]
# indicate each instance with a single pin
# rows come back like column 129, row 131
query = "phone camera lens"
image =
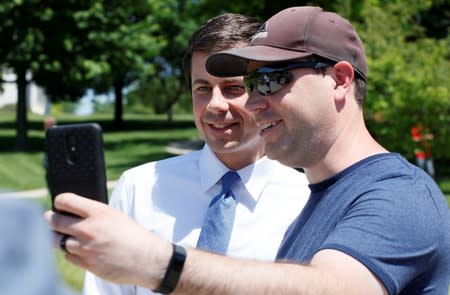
column 71, row 149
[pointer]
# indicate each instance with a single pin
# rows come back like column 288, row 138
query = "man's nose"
column 256, row 102
column 218, row 101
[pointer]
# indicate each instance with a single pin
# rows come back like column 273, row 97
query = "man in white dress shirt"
column 171, row 196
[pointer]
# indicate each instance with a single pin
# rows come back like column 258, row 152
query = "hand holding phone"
column 76, row 161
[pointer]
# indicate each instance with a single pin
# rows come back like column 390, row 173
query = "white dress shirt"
column 171, row 198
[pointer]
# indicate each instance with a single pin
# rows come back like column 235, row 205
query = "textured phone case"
column 76, row 161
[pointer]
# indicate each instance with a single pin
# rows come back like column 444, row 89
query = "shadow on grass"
column 8, row 142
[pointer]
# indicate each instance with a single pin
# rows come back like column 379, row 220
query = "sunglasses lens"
column 278, row 80
column 249, row 83
column 269, row 80
column 267, row 83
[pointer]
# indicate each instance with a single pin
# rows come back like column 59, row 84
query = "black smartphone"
column 76, row 161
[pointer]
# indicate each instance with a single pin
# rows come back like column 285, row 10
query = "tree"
column 168, row 71
column 29, row 52
column 20, row 44
column 68, row 46
column 122, row 36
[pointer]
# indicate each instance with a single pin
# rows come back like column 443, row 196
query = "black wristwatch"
column 173, row 272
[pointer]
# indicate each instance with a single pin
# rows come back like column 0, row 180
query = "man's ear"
column 343, row 75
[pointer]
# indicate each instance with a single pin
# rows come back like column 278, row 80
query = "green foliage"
column 54, row 62
column 164, row 87
column 121, row 36
column 408, row 81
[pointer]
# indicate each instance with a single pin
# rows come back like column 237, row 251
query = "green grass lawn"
column 143, row 138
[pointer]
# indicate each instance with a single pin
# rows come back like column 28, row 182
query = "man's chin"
column 229, row 146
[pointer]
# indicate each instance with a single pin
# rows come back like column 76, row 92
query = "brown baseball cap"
column 291, row 34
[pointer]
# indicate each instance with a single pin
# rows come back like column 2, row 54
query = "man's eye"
column 236, row 88
column 202, row 89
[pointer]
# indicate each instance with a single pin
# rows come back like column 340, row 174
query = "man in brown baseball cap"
column 373, row 224
column 366, row 227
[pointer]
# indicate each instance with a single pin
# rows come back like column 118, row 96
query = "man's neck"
column 343, row 154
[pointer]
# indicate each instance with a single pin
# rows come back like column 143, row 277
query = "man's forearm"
column 206, row 273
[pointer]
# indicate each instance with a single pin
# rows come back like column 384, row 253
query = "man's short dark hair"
column 219, row 33
column 360, row 90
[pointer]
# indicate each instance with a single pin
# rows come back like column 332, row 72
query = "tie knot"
column 228, row 180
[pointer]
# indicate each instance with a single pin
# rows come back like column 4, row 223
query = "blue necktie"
column 216, row 229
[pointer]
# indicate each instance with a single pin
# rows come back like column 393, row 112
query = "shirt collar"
column 254, row 176
column 211, row 168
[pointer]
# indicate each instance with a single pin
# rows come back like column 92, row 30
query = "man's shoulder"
column 398, row 188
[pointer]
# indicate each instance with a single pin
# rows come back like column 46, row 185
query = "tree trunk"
column 21, row 110
column 171, row 103
column 118, row 107
column 170, row 115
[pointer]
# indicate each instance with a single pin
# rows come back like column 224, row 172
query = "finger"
column 75, row 260
column 75, row 204
column 48, row 216
column 71, row 245
column 56, row 239
column 63, row 224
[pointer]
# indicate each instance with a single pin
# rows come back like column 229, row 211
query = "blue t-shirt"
column 387, row 214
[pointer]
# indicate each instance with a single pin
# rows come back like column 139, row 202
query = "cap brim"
column 235, row 62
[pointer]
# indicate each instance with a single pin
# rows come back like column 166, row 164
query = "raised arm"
column 330, row 272
column 111, row 245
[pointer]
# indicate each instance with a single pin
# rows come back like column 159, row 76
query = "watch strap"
column 173, row 272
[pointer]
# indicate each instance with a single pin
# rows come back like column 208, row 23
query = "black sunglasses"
column 269, row 80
